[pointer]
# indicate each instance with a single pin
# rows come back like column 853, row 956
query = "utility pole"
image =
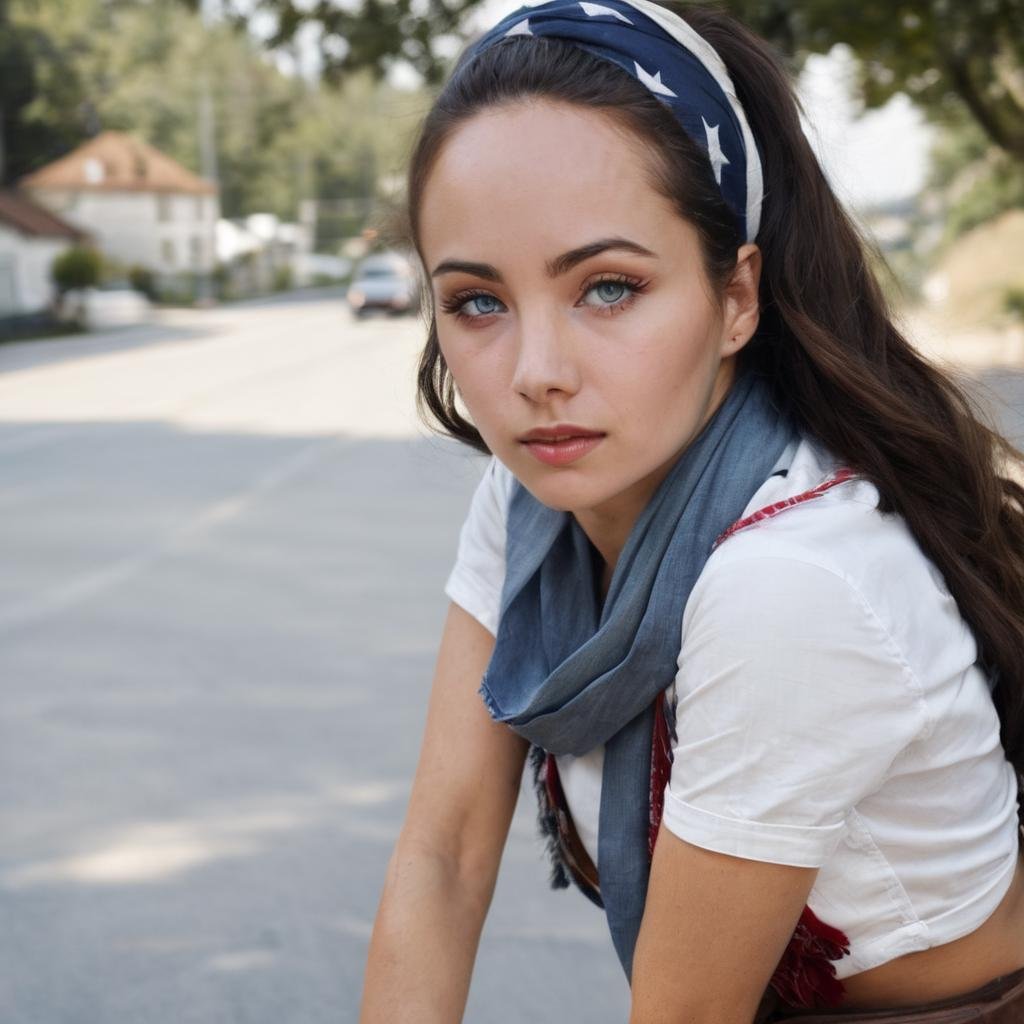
column 207, row 158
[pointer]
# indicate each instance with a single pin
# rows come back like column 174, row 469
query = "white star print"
column 520, row 28
column 715, row 154
column 653, row 82
column 596, row 10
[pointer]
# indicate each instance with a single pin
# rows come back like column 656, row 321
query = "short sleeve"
column 793, row 703
column 476, row 579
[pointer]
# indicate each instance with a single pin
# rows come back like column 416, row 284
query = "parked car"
column 384, row 281
column 112, row 305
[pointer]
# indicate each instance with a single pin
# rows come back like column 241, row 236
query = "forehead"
column 539, row 173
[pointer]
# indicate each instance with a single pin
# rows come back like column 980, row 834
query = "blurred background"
column 225, row 534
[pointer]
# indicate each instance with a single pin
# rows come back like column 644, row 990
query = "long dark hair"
column 826, row 340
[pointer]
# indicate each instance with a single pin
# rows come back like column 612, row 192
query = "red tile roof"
column 29, row 218
column 116, row 162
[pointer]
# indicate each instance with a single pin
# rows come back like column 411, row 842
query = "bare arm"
column 713, row 931
column 442, row 873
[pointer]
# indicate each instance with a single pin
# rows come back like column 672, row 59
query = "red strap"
column 768, row 511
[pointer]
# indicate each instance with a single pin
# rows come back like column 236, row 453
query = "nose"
column 546, row 359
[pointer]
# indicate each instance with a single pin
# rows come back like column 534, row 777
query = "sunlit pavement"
column 225, row 539
column 224, row 545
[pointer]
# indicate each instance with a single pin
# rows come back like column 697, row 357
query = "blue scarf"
column 568, row 674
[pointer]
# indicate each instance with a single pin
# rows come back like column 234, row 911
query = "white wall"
column 25, row 283
column 166, row 232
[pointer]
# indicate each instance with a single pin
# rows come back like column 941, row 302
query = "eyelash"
column 453, row 306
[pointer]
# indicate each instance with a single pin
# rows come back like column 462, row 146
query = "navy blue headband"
column 679, row 67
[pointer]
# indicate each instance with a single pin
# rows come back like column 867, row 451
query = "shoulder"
column 828, row 610
column 796, row 689
column 837, row 553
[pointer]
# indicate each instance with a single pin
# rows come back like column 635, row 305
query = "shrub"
column 77, row 267
column 282, row 279
column 1013, row 302
column 142, row 280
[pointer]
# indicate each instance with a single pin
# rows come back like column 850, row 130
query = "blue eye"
column 610, row 291
column 485, row 304
column 458, row 305
column 615, row 294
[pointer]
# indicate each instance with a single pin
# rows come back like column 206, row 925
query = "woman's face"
column 568, row 291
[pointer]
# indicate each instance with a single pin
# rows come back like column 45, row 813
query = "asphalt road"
column 224, row 546
column 225, row 540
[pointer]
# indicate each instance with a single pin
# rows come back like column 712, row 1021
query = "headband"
column 680, row 67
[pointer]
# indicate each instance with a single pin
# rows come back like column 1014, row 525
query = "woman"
column 742, row 578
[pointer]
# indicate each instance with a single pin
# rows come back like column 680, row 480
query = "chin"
column 555, row 489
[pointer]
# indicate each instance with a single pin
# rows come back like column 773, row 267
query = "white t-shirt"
column 830, row 714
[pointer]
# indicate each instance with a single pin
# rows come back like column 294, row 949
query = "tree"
column 27, row 57
column 947, row 55
column 77, row 267
column 974, row 180
column 372, row 36
column 136, row 66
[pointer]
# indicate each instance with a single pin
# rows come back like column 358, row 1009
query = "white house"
column 30, row 239
column 260, row 248
column 141, row 207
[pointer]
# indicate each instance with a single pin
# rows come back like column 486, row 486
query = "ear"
column 741, row 307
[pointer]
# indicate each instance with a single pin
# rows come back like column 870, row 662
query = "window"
column 199, row 207
column 196, row 250
column 163, row 207
column 94, row 170
column 167, row 252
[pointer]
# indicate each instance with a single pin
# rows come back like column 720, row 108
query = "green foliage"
column 976, row 180
column 180, row 289
column 282, row 279
column 999, row 187
column 27, row 57
column 87, row 65
column 77, row 267
column 949, row 56
column 369, row 35
column 1013, row 302
column 142, row 280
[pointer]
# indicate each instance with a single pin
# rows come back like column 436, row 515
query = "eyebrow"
column 555, row 267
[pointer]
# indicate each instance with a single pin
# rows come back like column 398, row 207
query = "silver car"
column 384, row 281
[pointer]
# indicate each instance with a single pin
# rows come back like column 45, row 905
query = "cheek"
column 662, row 379
column 476, row 372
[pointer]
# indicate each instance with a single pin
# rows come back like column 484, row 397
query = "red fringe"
column 806, row 976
